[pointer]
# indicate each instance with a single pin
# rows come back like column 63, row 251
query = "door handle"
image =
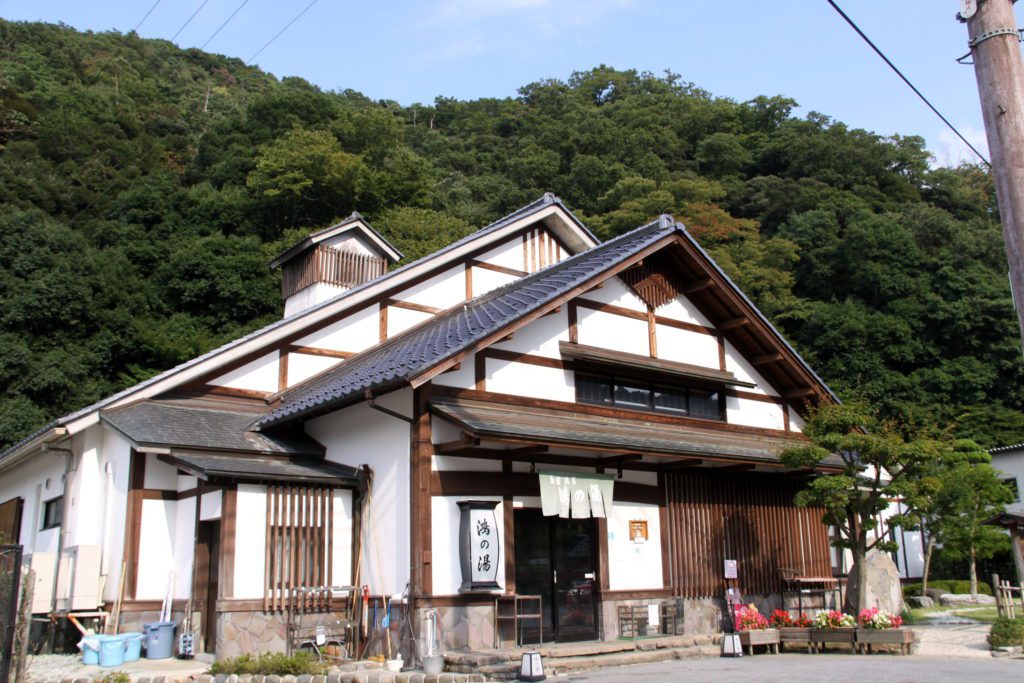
column 555, row 575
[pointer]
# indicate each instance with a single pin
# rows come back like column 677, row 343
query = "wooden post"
column 995, row 48
column 998, row 594
column 1017, row 549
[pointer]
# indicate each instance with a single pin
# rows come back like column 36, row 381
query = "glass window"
column 632, row 394
column 1011, row 483
column 670, row 399
column 53, row 510
column 705, row 404
column 593, row 389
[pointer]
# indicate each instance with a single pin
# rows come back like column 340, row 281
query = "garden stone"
column 881, row 583
column 921, row 601
column 961, row 599
column 304, row 678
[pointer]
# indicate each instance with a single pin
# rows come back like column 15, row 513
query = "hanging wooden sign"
column 638, row 530
column 479, row 546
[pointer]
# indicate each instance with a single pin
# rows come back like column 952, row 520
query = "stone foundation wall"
column 255, row 632
column 461, row 627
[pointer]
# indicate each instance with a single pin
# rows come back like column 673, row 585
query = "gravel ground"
column 953, row 640
column 43, row 668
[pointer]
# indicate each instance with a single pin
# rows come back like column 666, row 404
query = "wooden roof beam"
column 681, row 464
column 798, row 393
column 767, row 359
column 733, row 323
column 452, row 447
column 743, row 467
column 698, row 285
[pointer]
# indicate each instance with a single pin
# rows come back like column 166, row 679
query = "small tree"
column 972, row 493
column 879, row 462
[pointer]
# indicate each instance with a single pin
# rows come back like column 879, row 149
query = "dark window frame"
column 1012, row 484
column 653, row 385
column 57, row 504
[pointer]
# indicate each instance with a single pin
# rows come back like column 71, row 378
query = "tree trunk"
column 929, row 548
column 974, row 573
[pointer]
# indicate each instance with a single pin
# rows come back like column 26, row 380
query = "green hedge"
column 948, row 586
column 270, row 664
column 1006, row 632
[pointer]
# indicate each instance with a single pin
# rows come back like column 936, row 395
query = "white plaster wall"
column 541, row 337
column 159, row 475
column 250, row 540
column 156, row 548
column 632, row 565
column 1011, row 464
column 36, row 480
column 685, row 346
column 614, row 291
column 211, row 505
column 738, row 365
column 463, row 378
column 611, row 331
column 115, row 465
column 509, row 254
column 485, row 280
column 353, row 333
column 441, row 291
column 400, row 319
column 259, row 375
column 310, row 296
column 445, row 516
column 522, row 379
column 683, row 310
column 352, row 241
column 796, row 423
column 361, row 435
column 341, row 560
column 184, row 546
column 745, row 411
column 302, row 366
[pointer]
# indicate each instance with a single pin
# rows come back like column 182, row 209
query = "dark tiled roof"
column 1004, row 449
column 396, row 361
column 543, row 202
column 174, row 425
column 262, row 468
column 569, row 428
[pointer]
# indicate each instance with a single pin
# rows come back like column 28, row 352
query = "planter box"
column 821, row 636
column 903, row 637
column 795, row 635
column 767, row 636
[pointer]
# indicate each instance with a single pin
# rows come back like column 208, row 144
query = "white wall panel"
column 441, row 291
column 738, row 365
column 509, row 254
column 159, row 475
column 302, row 366
column 184, row 546
column 341, row 560
column 355, row 332
column 211, row 505
column 250, row 540
column 445, row 517
column 633, row 566
column 521, row 379
column 400, row 319
column 541, row 337
column 463, row 378
column 683, row 310
column 616, row 292
column 485, row 280
column 259, row 375
column 686, row 346
column 156, row 549
column 745, row 411
column 610, row 331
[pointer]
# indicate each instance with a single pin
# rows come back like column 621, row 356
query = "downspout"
column 66, row 507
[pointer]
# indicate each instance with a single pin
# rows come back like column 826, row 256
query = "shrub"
column 116, row 677
column 270, row 664
column 948, row 586
column 1006, row 632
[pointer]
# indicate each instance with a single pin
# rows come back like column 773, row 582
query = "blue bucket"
column 112, row 650
column 90, row 646
column 133, row 646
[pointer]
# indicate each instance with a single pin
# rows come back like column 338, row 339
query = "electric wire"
column 136, row 29
column 189, row 20
column 906, row 80
column 278, row 34
column 226, row 22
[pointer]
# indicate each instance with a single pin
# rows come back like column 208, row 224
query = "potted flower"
column 879, row 627
column 832, row 626
column 792, row 630
column 755, row 630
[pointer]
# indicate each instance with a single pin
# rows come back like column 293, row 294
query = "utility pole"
column 995, row 47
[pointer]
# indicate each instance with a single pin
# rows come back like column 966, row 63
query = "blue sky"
column 415, row 51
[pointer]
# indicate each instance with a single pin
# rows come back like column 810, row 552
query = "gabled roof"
column 1006, row 449
column 354, row 223
column 398, row 360
column 281, row 327
column 403, row 359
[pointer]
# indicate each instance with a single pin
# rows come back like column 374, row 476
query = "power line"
column 278, row 34
column 189, row 21
column 221, row 27
column 907, row 80
column 136, row 29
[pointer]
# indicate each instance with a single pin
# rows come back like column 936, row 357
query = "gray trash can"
column 159, row 639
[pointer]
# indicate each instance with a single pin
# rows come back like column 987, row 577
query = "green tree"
column 880, row 463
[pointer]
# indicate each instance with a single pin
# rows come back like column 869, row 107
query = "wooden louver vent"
column 653, row 280
column 327, row 265
column 300, row 546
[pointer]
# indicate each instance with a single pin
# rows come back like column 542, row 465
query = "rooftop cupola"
column 332, row 260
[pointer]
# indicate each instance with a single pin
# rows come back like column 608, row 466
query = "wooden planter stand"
column 903, row 637
column 768, row 637
column 822, row 636
column 795, row 635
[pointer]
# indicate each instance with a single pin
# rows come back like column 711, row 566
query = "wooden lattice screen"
column 330, row 266
column 750, row 518
column 300, row 547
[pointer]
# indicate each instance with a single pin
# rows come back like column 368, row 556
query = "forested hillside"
column 145, row 188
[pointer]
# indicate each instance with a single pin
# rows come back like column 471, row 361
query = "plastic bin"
column 159, row 639
column 133, row 646
column 90, row 646
column 112, row 650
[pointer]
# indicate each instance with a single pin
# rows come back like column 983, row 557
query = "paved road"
column 835, row 668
